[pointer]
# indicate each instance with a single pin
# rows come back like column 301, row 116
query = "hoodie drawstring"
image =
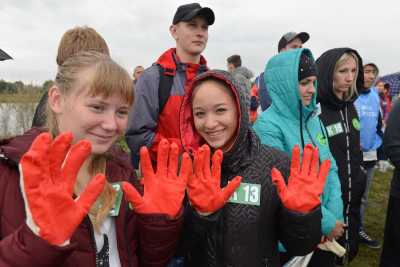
column 308, row 132
column 301, row 125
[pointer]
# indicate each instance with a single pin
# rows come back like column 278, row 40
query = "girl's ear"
column 55, row 99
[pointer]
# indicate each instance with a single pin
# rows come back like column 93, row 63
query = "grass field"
column 30, row 97
column 375, row 220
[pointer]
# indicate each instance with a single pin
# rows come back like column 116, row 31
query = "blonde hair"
column 106, row 78
column 353, row 88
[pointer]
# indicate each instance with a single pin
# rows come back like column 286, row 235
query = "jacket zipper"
column 345, row 123
column 128, row 247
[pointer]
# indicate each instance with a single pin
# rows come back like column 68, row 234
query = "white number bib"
column 247, row 194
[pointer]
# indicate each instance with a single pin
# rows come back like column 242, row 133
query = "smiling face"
column 191, row 37
column 307, row 89
column 215, row 114
column 96, row 118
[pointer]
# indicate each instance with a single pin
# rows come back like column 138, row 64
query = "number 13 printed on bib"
column 247, row 194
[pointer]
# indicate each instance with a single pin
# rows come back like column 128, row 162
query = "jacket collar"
column 169, row 60
column 14, row 148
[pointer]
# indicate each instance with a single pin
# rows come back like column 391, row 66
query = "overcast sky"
column 137, row 31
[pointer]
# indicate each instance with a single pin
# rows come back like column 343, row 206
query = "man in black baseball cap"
column 160, row 90
column 189, row 11
column 292, row 40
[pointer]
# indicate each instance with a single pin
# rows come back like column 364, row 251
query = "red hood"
column 191, row 140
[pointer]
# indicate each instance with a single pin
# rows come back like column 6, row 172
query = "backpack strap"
column 164, row 86
column 260, row 80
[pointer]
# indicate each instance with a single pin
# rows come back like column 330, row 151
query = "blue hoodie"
column 280, row 126
column 368, row 109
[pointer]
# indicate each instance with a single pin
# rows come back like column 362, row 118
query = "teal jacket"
column 286, row 122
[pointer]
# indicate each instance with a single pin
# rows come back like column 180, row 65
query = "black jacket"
column 244, row 235
column 391, row 143
column 342, row 124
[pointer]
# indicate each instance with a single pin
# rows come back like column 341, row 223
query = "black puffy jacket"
column 391, row 143
column 245, row 235
column 342, row 124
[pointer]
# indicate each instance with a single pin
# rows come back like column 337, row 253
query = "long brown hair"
column 107, row 78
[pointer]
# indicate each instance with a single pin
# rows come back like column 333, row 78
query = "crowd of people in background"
column 225, row 167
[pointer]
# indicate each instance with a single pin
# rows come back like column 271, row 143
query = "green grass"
column 31, row 97
column 374, row 219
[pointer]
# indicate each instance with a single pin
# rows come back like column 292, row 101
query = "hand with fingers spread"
column 204, row 187
column 48, row 174
column 164, row 190
column 305, row 183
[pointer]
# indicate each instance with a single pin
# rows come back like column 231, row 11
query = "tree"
column 3, row 86
column 19, row 85
column 46, row 85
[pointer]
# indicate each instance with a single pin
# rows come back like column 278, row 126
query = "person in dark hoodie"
column 391, row 245
column 244, row 232
column 340, row 74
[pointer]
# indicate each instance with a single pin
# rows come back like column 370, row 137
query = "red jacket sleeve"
column 24, row 248
column 158, row 238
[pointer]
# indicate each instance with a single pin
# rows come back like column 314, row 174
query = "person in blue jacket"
column 293, row 119
column 369, row 111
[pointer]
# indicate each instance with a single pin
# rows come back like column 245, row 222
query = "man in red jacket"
column 149, row 121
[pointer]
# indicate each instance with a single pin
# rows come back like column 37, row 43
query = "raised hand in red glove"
column 204, row 187
column 164, row 190
column 48, row 174
column 305, row 184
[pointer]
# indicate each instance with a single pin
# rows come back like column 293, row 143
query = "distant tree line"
column 19, row 87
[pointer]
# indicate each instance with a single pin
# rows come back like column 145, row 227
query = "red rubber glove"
column 164, row 190
column 204, row 187
column 49, row 170
column 305, row 185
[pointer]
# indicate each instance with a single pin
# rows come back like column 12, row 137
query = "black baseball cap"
column 189, row 11
column 290, row 36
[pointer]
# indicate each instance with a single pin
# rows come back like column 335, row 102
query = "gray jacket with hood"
column 243, row 76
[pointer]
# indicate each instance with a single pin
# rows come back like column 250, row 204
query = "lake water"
column 15, row 118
